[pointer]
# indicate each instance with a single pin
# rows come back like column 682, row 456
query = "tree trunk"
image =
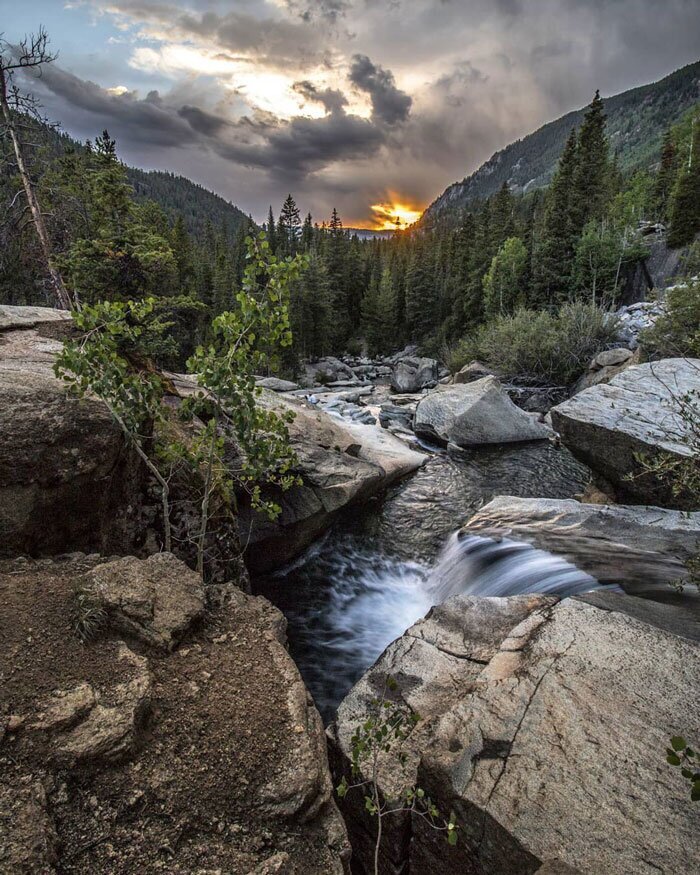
column 63, row 299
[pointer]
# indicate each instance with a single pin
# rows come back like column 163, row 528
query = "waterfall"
column 473, row 565
column 356, row 601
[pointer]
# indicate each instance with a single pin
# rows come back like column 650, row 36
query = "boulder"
column 543, row 725
column 644, row 549
column 611, row 357
column 605, row 366
column 276, row 385
column 638, row 413
column 413, row 374
column 473, row 371
column 67, row 480
column 340, row 463
column 328, row 370
column 474, row 414
column 156, row 600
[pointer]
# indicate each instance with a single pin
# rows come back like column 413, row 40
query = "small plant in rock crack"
column 386, row 728
column 88, row 616
column 681, row 756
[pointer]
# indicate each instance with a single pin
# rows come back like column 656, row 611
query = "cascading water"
column 374, row 599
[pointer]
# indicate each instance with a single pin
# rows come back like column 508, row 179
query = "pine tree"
column 271, row 230
column 665, row 177
column 289, row 227
column 502, row 217
column 591, row 179
column 555, row 252
column 182, row 251
column 420, row 287
column 307, row 234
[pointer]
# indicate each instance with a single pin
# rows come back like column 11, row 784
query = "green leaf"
column 673, row 760
column 695, row 792
column 678, row 743
column 451, row 837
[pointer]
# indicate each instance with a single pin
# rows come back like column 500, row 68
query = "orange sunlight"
column 393, row 215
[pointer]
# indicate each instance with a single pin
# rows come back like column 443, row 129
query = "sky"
column 369, row 106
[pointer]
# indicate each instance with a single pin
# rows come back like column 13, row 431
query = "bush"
column 677, row 332
column 539, row 347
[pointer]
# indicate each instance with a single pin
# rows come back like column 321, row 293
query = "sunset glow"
column 394, row 215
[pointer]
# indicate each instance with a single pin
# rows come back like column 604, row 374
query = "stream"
column 384, row 564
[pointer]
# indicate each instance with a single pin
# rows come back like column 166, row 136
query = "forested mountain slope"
column 180, row 196
column 636, row 121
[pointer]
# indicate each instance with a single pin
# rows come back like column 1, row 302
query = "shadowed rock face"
column 411, row 374
column 67, row 480
column 543, row 725
column 474, row 414
column 636, row 413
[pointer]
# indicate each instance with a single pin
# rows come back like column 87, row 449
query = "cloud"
column 388, row 103
column 331, row 99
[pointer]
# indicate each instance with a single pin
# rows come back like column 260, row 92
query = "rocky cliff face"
column 181, row 739
column 67, row 480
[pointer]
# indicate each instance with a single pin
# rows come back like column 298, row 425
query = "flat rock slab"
column 474, row 414
column 638, row 412
column 154, row 600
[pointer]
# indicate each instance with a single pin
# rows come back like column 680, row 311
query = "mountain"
column 636, row 123
column 175, row 194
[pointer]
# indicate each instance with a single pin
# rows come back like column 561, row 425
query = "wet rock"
column 475, row 413
column 637, row 413
column 413, row 373
column 340, row 463
column 155, row 601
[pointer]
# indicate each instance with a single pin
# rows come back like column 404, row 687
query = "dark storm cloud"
column 302, row 146
column 331, row 99
column 389, row 103
column 142, row 120
column 285, row 149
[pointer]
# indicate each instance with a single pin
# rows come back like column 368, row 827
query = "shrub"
column 677, row 331
column 538, row 347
